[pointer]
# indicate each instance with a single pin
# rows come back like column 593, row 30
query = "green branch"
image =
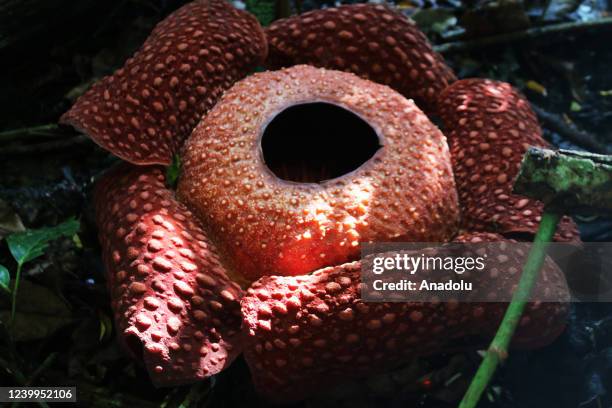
column 498, row 349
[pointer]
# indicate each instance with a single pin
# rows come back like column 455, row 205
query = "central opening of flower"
column 313, row 142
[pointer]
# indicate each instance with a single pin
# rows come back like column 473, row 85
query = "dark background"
column 52, row 50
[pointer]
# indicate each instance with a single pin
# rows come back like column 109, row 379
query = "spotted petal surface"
column 371, row 40
column 175, row 307
column 144, row 111
column 305, row 333
column 490, row 126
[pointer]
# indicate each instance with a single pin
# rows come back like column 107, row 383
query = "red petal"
column 490, row 125
column 373, row 41
column 174, row 305
column 145, row 110
column 269, row 226
column 306, row 333
column 541, row 323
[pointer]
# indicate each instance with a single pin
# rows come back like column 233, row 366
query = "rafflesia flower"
column 284, row 174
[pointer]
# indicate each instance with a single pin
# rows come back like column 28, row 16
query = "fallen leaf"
column 438, row 20
column 5, row 279
column 556, row 10
column 40, row 313
column 536, row 87
column 9, row 220
column 490, row 17
column 106, row 326
column 575, row 107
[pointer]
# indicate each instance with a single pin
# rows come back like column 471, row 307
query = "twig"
column 41, row 368
column 570, row 131
column 531, row 33
column 45, row 147
column 19, row 378
column 40, row 130
column 545, row 10
column 14, row 294
column 498, row 349
column 45, row 364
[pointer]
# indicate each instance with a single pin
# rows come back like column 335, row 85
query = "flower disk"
column 145, row 110
column 175, row 308
column 270, row 226
column 373, row 41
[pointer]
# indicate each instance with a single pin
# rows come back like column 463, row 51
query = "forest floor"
column 52, row 50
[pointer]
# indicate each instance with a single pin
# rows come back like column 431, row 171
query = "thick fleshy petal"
column 144, row 112
column 305, row 333
column 266, row 225
column 175, row 307
column 489, row 126
column 370, row 40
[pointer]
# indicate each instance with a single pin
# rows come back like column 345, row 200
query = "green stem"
column 498, row 348
column 15, row 290
column 40, row 130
